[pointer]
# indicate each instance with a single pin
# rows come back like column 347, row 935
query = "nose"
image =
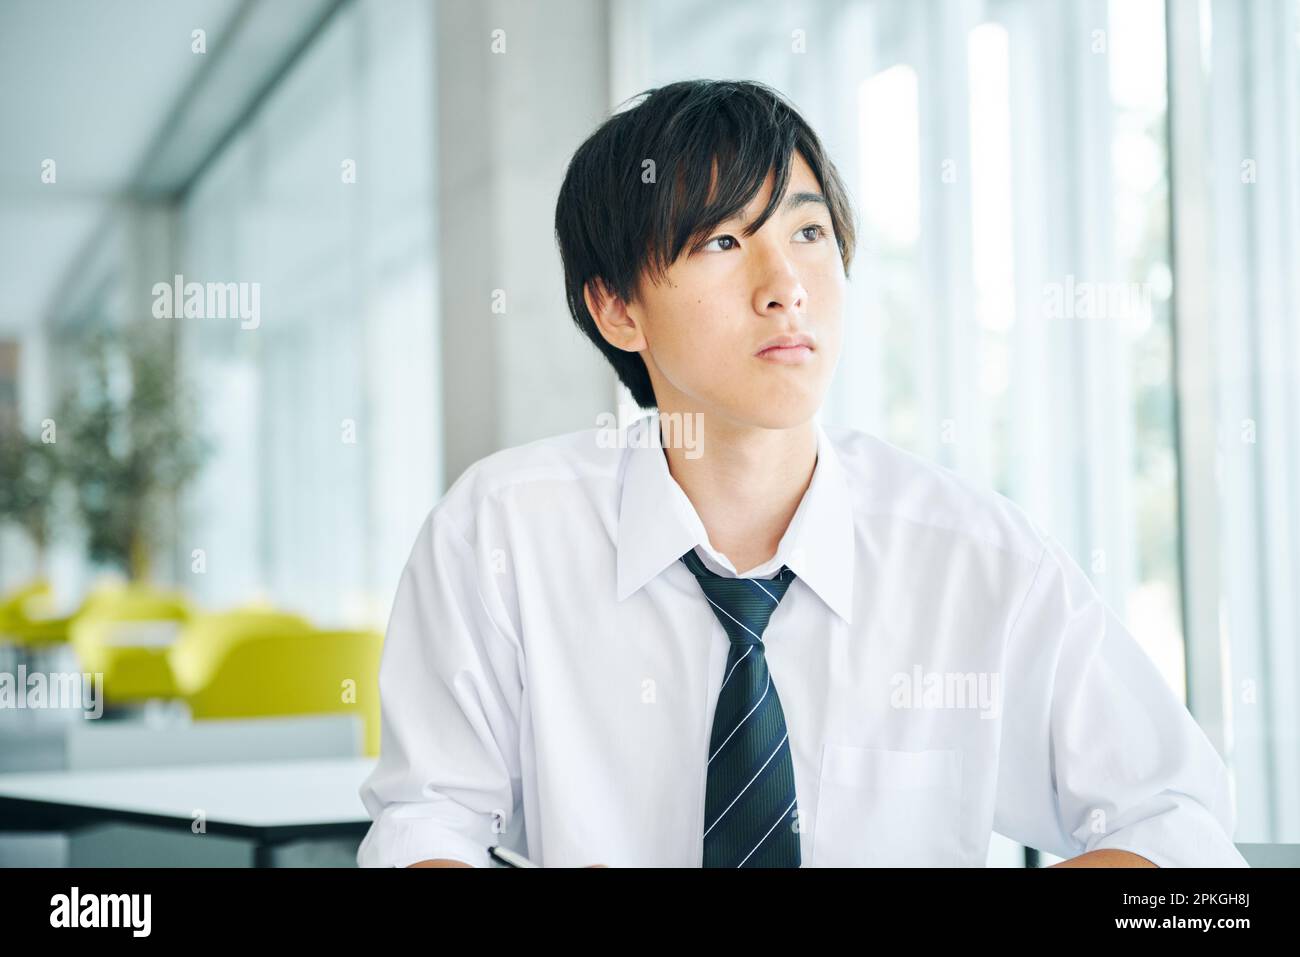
column 777, row 288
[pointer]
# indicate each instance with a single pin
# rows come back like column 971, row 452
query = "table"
column 268, row 803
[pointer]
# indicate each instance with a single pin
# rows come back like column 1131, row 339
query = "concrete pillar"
column 507, row 124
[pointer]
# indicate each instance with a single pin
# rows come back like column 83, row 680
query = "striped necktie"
column 749, row 800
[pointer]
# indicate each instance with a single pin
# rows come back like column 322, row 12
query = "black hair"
column 613, row 223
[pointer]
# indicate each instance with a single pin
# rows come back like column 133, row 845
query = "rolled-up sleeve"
column 447, row 782
column 1097, row 751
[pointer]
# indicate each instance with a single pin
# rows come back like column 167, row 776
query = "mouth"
column 787, row 350
column 787, row 355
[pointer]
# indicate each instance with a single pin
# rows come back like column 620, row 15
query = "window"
column 1017, row 312
column 325, row 416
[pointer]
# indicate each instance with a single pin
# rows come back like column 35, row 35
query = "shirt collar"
column 657, row 523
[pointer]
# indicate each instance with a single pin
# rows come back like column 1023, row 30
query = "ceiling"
column 113, row 93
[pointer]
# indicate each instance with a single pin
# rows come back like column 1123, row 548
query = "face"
column 744, row 327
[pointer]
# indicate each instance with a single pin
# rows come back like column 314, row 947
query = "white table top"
column 266, row 794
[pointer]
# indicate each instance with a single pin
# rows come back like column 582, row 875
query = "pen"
column 509, row 858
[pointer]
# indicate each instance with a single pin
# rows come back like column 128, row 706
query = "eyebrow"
column 792, row 202
column 795, row 200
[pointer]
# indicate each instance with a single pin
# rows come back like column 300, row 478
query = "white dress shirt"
column 551, row 669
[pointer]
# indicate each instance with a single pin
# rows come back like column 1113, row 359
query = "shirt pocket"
column 879, row 808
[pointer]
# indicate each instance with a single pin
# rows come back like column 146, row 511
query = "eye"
column 718, row 239
column 817, row 229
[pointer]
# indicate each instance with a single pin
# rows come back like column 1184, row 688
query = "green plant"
column 29, row 471
column 128, row 442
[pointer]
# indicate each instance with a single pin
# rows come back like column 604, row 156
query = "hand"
column 1105, row 857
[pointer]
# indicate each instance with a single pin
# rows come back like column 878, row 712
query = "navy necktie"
column 749, row 804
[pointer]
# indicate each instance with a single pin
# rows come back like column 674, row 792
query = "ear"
column 617, row 325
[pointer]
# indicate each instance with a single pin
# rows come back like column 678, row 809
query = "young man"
column 748, row 641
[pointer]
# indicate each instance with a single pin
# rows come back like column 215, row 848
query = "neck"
column 746, row 485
